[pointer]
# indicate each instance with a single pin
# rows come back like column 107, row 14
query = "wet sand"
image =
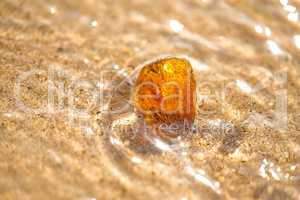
column 58, row 142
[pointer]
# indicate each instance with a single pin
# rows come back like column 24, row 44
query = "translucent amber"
column 165, row 92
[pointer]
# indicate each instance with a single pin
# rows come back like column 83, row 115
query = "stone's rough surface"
column 165, row 92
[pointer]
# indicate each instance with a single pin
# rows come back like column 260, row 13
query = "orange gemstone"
column 165, row 92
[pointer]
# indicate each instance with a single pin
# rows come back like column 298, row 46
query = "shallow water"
column 69, row 131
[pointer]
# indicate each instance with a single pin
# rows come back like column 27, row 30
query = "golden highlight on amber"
column 165, row 92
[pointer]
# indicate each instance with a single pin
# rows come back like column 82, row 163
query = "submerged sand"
column 53, row 55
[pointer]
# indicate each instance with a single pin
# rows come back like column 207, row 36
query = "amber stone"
column 165, row 92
